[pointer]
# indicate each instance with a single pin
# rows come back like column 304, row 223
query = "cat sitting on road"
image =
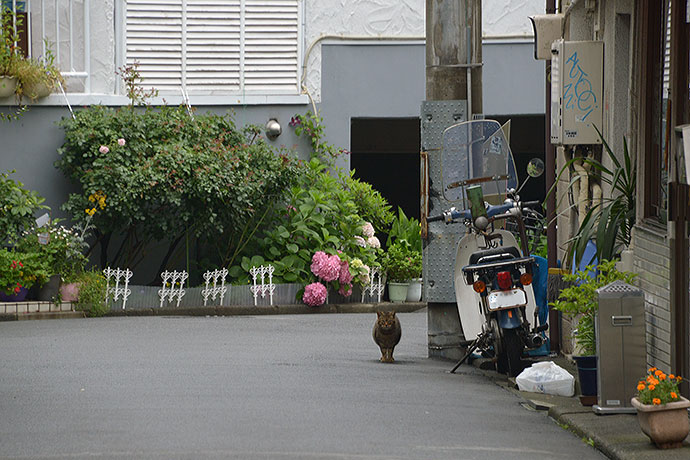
column 387, row 332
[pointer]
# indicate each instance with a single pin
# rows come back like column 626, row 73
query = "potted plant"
column 661, row 410
column 18, row 272
column 579, row 302
column 92, row 290
column 399, row 264
column 38, row 77
column 408, row 231
column 9, row 56
column 17, row 208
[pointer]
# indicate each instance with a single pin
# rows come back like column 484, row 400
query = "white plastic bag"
column 546, row 377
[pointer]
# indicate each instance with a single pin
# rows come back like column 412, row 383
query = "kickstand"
column 473, row 346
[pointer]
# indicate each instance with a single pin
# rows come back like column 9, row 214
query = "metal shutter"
column 271, row 45
column 203, row 45
column 154, row 39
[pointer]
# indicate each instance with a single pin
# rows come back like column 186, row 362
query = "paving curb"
column 41, row 315
column 251, row 310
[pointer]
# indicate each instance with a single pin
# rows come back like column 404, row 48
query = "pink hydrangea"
column 368, row 230
column 345, row 290
column 373, row 242
column 104, row 149
column 345, row 275
column 359, row 241
column 121, row 142
column 325, row 267
column 315, row 294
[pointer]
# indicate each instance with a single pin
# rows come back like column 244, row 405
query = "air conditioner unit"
column 577, row 92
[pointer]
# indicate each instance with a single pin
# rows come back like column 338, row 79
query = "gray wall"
column 387, row 80
column 513, row 81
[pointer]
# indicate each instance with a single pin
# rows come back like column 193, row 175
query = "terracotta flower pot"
column 666, row 425
column 69, row 292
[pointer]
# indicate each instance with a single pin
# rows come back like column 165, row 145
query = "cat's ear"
column 379, row 314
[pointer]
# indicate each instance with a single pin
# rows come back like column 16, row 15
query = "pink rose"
column 121, row 142
column 103, row 149
column 315, row 294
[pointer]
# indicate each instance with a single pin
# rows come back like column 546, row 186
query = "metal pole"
column 453, row 52
column 551, row 235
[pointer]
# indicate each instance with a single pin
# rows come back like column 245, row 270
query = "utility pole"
column 453, row 93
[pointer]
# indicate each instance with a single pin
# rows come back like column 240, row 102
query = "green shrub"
column 17, row 208
column 92, row 289
column 405, row 229
column 580, row 301
column 402, row 263
column 320, row 215
column 169, row 178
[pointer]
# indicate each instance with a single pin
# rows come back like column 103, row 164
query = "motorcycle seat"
column 494, row 255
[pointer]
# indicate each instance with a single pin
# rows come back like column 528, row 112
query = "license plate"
column 499, row 300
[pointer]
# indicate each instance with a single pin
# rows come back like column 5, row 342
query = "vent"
column 619, row 287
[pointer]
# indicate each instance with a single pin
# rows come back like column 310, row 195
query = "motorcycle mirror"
column 535, row 167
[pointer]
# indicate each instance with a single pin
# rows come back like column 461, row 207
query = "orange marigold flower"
column 656, row 401
column 640, row 386
column 651, row 387
column 662, row 377
column 674, row 395
column 671, row 376
column 658, row 373
column 652, row 369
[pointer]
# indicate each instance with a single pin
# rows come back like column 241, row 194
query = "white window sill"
column 77, row 100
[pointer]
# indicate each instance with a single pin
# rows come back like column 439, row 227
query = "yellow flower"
column 640, row 386
column 674, row 395
column 656, row 401
column 92, row 198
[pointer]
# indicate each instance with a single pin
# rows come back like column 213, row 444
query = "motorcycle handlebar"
column 435, row 218
column 531, row 204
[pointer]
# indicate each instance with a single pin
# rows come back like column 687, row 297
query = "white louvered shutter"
column 213, row 45
column 154, row 39
column 271, row 45
column 201, row 45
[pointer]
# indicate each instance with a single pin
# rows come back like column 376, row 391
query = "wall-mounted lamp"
column 273, row 129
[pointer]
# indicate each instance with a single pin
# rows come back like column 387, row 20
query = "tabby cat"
column 387, row 332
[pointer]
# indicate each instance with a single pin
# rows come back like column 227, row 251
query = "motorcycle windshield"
column 476, row 152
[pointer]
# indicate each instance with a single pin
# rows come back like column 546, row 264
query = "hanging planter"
column 8, row 85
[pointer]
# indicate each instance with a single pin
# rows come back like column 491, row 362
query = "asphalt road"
column 265, row 387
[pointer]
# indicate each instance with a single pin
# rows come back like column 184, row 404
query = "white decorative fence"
column 262, row 288
column 215, row 285
column 173, row 286
column 120, row 278
column 376, row 285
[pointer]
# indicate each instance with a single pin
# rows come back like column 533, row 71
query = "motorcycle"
column 493, row 274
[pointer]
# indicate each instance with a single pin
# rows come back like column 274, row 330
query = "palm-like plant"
column 608, row 222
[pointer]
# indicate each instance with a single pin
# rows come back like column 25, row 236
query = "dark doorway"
column 526, row 142
column 385, row 153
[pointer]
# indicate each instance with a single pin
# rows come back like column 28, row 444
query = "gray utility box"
column 621, row 346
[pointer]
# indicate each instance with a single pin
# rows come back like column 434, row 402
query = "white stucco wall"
column 357, row 18
column 509, row 18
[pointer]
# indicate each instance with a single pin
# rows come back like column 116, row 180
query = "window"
column 215, row 46
column 657, row 134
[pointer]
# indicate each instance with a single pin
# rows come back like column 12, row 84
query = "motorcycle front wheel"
column 509, row 358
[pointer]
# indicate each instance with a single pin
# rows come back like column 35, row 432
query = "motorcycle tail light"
column 479, row 286
column 505, row 281
column 526, row 279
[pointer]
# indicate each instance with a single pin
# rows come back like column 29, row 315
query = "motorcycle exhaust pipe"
column 535, row 340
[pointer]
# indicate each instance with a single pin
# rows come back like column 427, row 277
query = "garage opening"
column 385, row 153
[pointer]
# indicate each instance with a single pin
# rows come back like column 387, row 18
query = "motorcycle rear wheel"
column 509, row 359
